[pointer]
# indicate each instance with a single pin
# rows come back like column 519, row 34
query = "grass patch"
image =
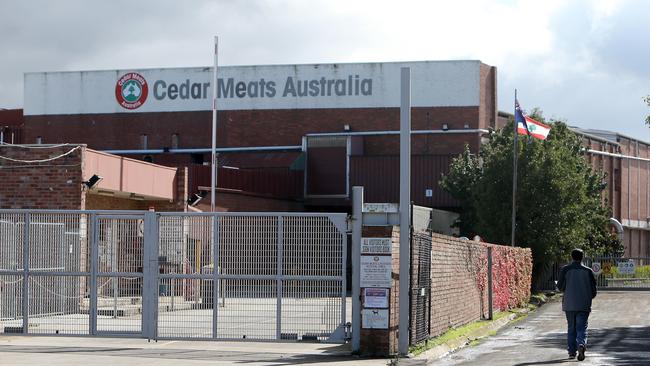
column 536, row 300
column 456, row 333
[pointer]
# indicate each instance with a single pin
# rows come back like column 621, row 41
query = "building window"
column 197, row 158
column 175, row 141
column 144, row 142
column 39, row 140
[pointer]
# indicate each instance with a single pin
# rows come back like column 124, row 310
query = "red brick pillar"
column 377, row 340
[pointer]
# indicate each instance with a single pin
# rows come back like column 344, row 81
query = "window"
column 144, row 141
column 197, row 158
column 175, row 137
column 39, row 140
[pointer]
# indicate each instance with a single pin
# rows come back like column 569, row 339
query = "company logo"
column 131, row 90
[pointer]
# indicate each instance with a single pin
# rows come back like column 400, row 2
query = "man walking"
column 579, row 286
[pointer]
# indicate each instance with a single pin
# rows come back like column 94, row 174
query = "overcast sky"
column 586, row 61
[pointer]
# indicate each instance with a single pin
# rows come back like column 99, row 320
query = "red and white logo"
column 131, row 90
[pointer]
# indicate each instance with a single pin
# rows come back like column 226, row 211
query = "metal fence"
column 258, row 276
column 621, row 273
column 420, row 287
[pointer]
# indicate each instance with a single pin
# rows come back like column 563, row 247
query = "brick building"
column 333, row 123
column 59, row 177
column 626, row 163
column 297, row 137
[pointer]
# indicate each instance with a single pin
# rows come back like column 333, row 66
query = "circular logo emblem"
column 131, row 90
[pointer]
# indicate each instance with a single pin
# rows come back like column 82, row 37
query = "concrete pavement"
column 82, row 351
column 619, row 334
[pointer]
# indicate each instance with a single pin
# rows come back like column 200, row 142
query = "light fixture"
column 445, row 127
column 90, row 183
column 195, row 199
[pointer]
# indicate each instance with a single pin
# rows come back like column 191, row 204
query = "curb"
column 441, row 350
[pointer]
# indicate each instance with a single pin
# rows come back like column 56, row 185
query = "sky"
column 584, row 61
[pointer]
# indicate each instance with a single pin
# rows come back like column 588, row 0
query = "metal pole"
column 357, row 224
column 489, row 284
column 213, row 185
column 514, row 177
column 279, row 289
column 404, row 209
column 25, row 304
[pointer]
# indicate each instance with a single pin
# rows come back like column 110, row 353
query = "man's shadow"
column 622, row 345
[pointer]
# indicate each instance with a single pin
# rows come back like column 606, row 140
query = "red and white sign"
column 131, row 90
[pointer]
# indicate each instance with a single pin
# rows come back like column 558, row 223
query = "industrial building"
column 298, row 137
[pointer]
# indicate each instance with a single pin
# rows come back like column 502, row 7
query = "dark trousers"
column 577, row 322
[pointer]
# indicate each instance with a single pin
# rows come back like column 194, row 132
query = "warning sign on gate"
column 626, row 268
column 597, row 268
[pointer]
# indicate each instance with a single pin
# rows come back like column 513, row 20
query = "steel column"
column 357, row 224
column 404, row 209
column 26, row 273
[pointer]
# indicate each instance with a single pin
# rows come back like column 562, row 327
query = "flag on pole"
column 528, row 126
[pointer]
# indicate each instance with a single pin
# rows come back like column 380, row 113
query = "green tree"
column 559, row 197
column 647, row 101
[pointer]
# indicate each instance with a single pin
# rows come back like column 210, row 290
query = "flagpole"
column 514, row 176
column 213, row 172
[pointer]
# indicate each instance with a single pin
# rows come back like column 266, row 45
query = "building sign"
column 374, row 318
column 361, row 85
column 376, row 271
column 375, row 298
column 376, row 246
column 380, row 207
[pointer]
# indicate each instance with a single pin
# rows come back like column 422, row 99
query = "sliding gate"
column 253, row 276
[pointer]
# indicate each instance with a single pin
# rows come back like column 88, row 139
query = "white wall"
column 434, row 84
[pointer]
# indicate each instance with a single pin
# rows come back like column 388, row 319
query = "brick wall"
column 54, row 184
column 459, row 280
column 236, row 128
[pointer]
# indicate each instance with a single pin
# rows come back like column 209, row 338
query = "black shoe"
column 581, row 352
column 572, row 356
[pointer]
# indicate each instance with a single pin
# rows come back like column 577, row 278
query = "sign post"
column 404, row 209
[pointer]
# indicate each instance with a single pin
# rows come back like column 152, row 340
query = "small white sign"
column 375, row 298
column 381, row 207
column 428, row 192
column 376, row 271
column 374, row 318
column 597, row 268
column 376, row 246
column 626, row 268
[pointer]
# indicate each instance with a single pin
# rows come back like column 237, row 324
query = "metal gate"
column 420, row 287
column 254, row 276
column 621, row 273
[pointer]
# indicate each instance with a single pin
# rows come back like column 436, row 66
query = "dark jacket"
column 579, row 286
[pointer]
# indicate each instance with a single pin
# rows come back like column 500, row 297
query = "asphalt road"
column 619, row 334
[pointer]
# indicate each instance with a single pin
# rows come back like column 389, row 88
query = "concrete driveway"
column 73, row 351
column 619, row 334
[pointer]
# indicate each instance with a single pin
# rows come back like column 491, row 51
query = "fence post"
column 357, row 223
column 93, row 238
column 279, row 289
column 489, row 284
column 26, row 274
